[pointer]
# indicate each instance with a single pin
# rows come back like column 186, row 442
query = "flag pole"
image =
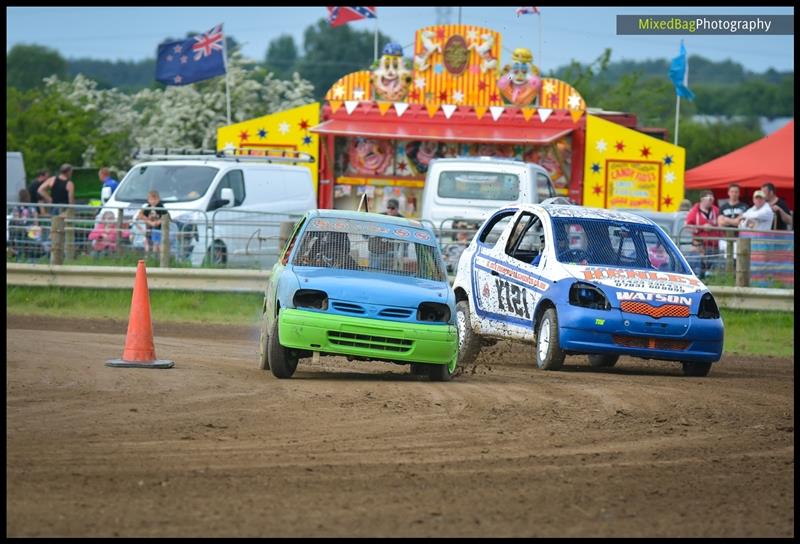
column 227, row 86
column 541, row 66
column 376, row 40
column 677, row 115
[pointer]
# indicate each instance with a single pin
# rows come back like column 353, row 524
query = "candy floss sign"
column 633, row 184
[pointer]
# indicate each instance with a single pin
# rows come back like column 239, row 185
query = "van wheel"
column 217, row 254
column 549, row 355
column 469, row 344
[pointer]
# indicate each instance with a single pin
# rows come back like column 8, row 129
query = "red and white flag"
column 344, row 14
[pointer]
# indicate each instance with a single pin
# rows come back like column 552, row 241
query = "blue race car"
column 362, row 285
column 575, row 280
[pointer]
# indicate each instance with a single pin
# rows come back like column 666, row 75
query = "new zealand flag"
column 194, row 59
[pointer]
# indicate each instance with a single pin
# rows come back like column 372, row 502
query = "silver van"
column 473, row 188
column 223, row 210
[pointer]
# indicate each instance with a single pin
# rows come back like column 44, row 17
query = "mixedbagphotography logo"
column 705, row 24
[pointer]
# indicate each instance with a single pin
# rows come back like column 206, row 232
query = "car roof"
column 485, row 160
column 217, row 163
column 368, row 216
column 582, row 212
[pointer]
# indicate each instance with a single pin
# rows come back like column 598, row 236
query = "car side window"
column 292, row 240
column 526, row 242
column 494, row 228
column 544, row 188
column 233, row 180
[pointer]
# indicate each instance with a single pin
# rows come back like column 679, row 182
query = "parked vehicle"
column 363, row 285
column 15, row 175
column 471, row 189
column 224, row 208
column 575, row 280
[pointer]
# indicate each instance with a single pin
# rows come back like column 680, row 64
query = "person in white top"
column 759, row 216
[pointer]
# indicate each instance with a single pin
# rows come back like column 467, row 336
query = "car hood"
column 653, row 287
column 372, row 288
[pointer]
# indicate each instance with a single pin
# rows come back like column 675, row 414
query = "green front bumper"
column 364, row 337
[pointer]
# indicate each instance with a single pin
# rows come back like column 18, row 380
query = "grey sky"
column 131, row 33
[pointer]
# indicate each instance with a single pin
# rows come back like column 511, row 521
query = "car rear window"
column 479, row 185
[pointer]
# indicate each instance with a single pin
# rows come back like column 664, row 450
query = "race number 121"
column 516, row 298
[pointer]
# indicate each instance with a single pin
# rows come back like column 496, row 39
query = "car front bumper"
column 583, row 330
column 369, row 338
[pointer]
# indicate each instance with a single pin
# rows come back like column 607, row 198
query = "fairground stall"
column 456, row 96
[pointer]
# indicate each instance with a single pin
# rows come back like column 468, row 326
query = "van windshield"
column 479, row 185
column 174, row 183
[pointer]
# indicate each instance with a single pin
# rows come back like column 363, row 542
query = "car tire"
column 549, row 355
column 696, row 369
column 597, row 360
column 282, row 362
column 469, row 343
column 418, row 369
column 440, row 373
column 263, row 345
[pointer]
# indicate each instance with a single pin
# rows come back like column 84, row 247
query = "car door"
column 271, row 292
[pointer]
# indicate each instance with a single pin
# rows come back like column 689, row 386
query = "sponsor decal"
column 402, row 233
column 653, row 297
column 512, row 273
column 599, row 321
column 650, row 276
column 422, row 235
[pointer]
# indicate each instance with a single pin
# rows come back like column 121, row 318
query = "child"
column 152, row 213
column 104, row 235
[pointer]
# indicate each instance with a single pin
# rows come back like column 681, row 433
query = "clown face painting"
column 519, row 83
column 391, row 77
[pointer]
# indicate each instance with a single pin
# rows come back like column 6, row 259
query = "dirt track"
column 216, row 447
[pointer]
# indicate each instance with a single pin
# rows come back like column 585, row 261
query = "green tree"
column 708, row 141
column 281, row 56
column 332, row 52
column 28, row 65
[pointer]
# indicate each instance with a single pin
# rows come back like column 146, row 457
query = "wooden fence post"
column 729, row 245
column 69, row 234
column 743, row 263
column 164, row 241
column 57, row 240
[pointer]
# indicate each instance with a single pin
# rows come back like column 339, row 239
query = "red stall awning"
column 442, row 132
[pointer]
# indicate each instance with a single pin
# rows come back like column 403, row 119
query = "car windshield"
column 371, row 247
column 479, row 185
column 174, row 183
column 599, row 242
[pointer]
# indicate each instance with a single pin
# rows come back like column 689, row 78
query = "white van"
column 222, row 209
column 473, row 188
column 15, row 175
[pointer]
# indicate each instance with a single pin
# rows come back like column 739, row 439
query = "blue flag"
column 679, row 74
column 193, row 59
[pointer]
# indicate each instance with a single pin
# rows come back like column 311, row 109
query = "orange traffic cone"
column 139, row 350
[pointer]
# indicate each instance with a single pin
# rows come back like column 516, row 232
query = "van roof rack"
column 234, row 154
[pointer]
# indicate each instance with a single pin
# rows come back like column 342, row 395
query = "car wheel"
column 696, row 369
column 282, row 362
column 603, row 360
column 549, row 355
column 418, row 369
column 443, row 373
column 469, row 343
column 263, row 345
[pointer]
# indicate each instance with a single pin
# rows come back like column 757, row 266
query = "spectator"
column 23, row 228
column 730, row 213
column 105, row 177
column 138, row 235
column 58, row 189
column 104, row 235
column 704, row 215
column 152, row 212
column 685, row 205
column 392, row 208
column 33, row 188
column 760, row 216
column 784, row 220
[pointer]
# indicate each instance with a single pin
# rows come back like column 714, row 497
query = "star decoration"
column 283, row 128
column 414, row 94
column 668, row 160
column 472, row 35
column 358, row 93
column 184, row 59
column 178, row 79
column 178, row 48
column 262, row 133
column 553, row 99
column 243, row 136
column 595, row 167
column 620, row 146
column 419, row 83
column 303, row 124
column 169, row 58
column 601, row 145
column 401, row 166
column 574, row 101
column 306, row 140
column 669, row 177
column 443, row 96
column 493, row 97
column 548, row 87
column 440, row 33
column 438, row 68
column 338, row 91
column 458, row 96
column 667, row 200
column 481, row 85
column 597, row 189
column 645, row 151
